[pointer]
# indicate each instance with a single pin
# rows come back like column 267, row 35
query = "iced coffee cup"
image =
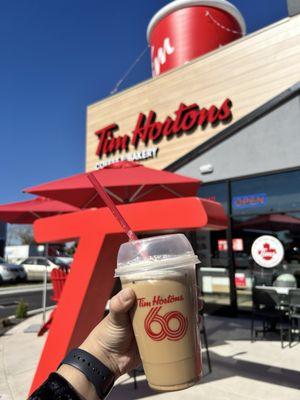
column 161, row 271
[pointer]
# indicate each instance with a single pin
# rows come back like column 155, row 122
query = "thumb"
column 119, row 306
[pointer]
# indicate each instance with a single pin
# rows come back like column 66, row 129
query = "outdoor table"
column 283, row 306
column 283, row 293
column 279, row 290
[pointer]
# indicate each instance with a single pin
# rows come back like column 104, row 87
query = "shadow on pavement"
column 225, row 367
column 222, row 330
column 219, row 332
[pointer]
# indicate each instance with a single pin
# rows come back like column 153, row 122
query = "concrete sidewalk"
column 241, row 369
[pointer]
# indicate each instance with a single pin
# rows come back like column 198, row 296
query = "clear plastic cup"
column 161, row 271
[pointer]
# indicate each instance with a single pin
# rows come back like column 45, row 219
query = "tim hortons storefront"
column 232, row 119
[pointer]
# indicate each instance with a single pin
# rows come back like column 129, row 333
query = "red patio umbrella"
column 26, row 212
column 124, row 181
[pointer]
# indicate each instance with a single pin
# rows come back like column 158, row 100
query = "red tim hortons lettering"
column 189, row 120
column 180, row 113
column 148, row 128
column 143, row 303
column 141, row 130
column 158, row 300
column 102, row 136
column 168, row 127
column 108, row 143
column 213, row 114
column 155, row 131
column 203, row 115
column 163, row 322
column 225, row 110
column 118, row 144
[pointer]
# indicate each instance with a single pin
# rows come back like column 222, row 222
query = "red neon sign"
column 237, row 244
column 147, row 127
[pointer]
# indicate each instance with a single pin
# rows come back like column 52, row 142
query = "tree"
column 26, row 235
column 19, row 234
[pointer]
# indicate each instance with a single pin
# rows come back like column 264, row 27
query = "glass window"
column 216, row 192
column 262, row 205
column 266, row 194
column 42, row 261
column 286, row 228
column 28, row 261
column 212, row 272
column 213, row 269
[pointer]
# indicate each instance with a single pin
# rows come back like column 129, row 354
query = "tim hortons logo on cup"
column 171, row 325
column 161, row 55
column 158, row 300
column 162, row 329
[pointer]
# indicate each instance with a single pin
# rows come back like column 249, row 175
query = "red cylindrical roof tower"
column 186, row 29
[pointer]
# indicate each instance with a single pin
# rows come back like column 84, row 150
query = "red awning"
column 271, row 222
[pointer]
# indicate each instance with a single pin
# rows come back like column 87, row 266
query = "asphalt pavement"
column 31, row 293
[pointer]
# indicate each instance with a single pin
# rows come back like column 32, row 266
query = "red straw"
column 111, row 205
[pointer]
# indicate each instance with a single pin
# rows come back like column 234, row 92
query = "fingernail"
column 126, row 294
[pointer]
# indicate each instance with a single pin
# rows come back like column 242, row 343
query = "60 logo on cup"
column 158, row 326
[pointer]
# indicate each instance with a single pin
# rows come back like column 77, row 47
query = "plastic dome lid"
column 138, row 256
column 180, row 4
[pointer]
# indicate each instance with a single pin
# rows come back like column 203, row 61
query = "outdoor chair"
column 58, row 279
column 297, row 276
column 204, row 339
column 263, row 278
column 267, row 306
column 294, row 314
column 135, row 372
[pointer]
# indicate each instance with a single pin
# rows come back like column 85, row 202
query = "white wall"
column 268, row 144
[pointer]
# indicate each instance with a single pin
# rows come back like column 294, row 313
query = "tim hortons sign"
column 148, row 130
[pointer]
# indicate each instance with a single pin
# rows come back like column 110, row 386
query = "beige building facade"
column 165, row 118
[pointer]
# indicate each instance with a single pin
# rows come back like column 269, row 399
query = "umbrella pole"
column 45, row 286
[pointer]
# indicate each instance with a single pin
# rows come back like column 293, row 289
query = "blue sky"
column 59, row 56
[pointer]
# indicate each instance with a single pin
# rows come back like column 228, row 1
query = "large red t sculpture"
column 91, row 279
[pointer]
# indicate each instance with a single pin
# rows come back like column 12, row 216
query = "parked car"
column 62, row 261
column 35, row 266
column 11, row 272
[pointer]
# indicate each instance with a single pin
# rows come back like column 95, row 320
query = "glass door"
column 212, row 250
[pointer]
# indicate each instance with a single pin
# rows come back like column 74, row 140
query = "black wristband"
column 96, row 372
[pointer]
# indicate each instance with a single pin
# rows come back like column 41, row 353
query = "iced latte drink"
column 161, row 271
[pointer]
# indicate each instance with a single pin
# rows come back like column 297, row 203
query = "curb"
column 32, row 312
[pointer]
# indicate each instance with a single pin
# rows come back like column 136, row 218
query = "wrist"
column 89, row 376
column 78, row 381
column 97, row 350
